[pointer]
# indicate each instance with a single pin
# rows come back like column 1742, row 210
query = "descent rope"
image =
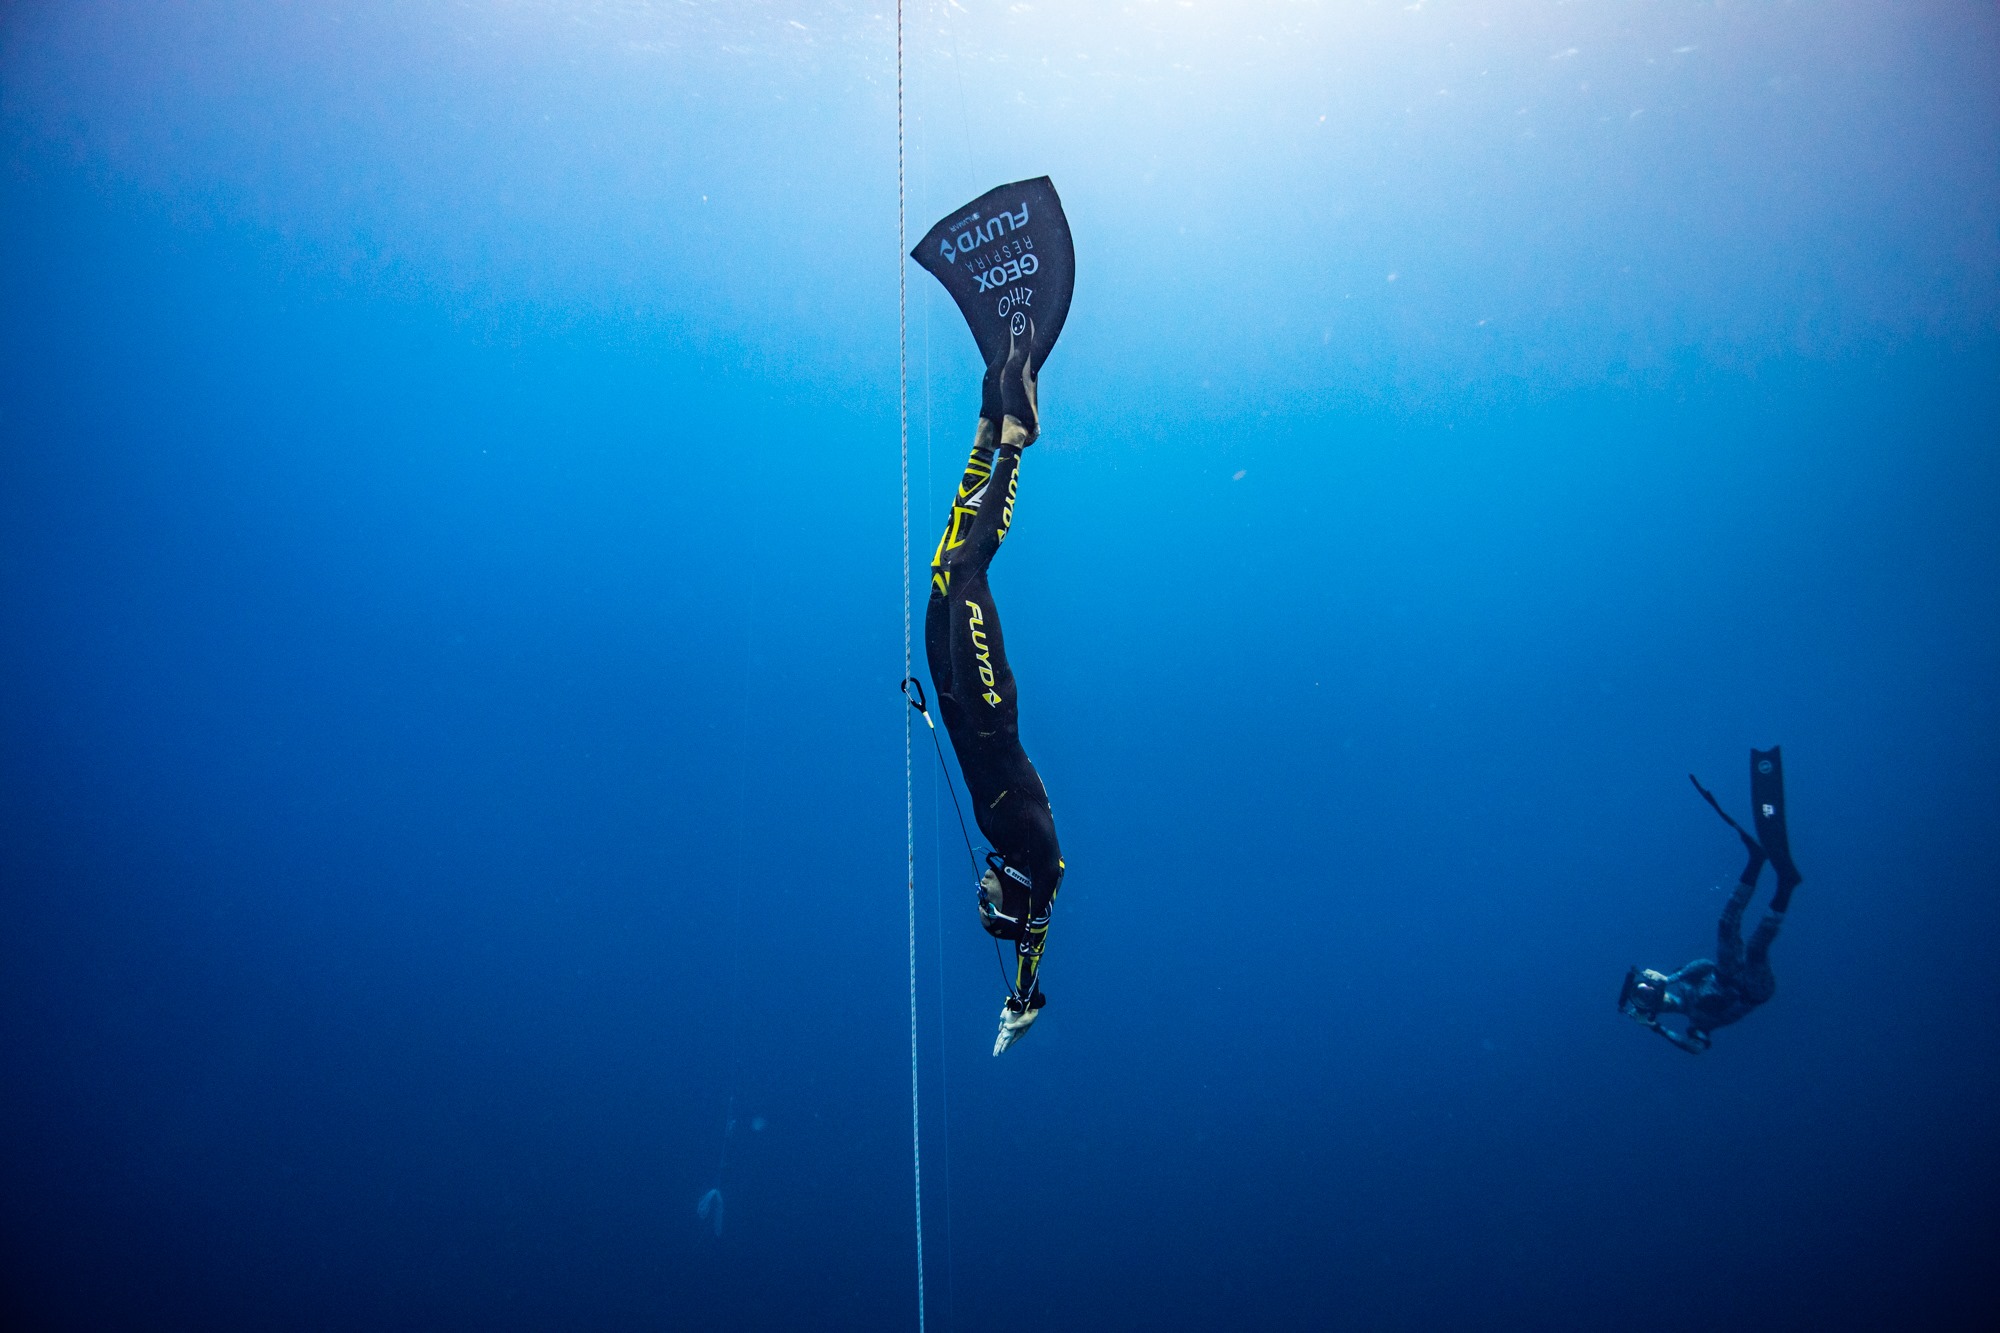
column 909, row 803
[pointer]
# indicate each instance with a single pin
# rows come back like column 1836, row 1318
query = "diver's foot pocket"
column 991, row 407
column 1019, row 424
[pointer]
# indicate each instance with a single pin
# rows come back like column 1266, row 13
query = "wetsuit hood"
column 1002, row 919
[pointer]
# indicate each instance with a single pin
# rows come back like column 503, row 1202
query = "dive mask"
column 1644, row 993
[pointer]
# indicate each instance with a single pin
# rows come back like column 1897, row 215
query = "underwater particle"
column 757, row 1124
column 1391, row 278
column 709, row 1210
column 1238, row 475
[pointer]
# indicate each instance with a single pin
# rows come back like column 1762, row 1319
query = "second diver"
column 1712, row 993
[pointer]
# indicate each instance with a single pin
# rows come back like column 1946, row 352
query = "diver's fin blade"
column 1716, row 806
column 1767, row 808
column 1007, row 259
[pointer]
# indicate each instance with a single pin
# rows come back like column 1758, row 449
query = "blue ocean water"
column 452, row 779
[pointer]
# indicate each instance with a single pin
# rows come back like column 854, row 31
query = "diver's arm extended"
column 1025, row 998
column 1700, row 970
column 1692, row 1041
column 1028, row 956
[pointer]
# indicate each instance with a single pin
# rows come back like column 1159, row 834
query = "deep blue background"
column 451, row 750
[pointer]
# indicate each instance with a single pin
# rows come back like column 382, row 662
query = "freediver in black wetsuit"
column 1708, row 994
column 1008, row 262
column 975, row 686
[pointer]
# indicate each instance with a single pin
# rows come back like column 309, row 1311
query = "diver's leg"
column 982, row 684
column 958, row 555
column 981, row 512
column 951, row 555
column 962, row 636
column 1756, row 955
column 1729, row 928
column 937, row 652
column 1755, row 983
column 983, row 509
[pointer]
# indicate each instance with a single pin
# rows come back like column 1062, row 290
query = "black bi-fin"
column 1767, row 808
column 1767, row 812
column 1716, row 806
column 1007, row 260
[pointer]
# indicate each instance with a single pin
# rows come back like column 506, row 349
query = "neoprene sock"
column 1017, row 396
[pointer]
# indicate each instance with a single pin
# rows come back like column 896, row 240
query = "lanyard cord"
column 913, row 690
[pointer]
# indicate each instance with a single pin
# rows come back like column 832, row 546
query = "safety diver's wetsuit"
column 975, row 687
column 1712, row 993
column 1715, row 993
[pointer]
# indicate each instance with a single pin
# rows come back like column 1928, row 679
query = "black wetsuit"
column 975, row 693
column 1713, row 994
